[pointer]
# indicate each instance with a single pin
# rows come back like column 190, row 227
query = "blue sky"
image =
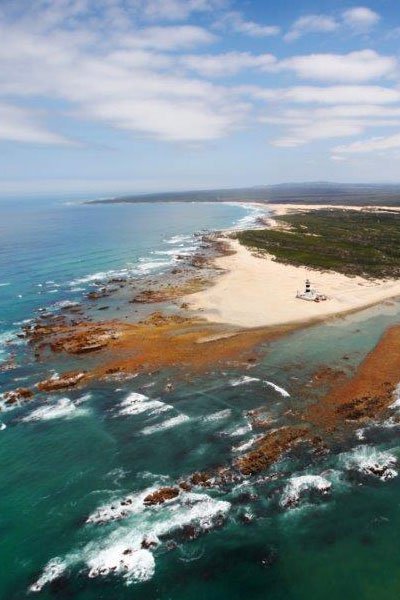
column 114, row 96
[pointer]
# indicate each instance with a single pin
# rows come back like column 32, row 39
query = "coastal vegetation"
column 365, row 243
column 291, row 193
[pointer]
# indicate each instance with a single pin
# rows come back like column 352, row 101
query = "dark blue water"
column 51, row 251
column 67, row 460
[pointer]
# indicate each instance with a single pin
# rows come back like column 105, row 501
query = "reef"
column 60, row 382
column 17, row 395
column 158, row 341
column 326, row 376
column 161, row 495
column 366, row 395
column 270, row 447
column 170, row 292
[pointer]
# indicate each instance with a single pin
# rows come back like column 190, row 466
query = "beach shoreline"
column 255, row 290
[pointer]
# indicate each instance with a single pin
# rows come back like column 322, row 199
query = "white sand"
column 257, row 291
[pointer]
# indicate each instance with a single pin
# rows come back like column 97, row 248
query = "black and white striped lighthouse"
column 308, row 286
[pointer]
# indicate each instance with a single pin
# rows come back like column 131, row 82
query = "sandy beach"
column 257, row 291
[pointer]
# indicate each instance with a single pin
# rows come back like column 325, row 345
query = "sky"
column 129, row 96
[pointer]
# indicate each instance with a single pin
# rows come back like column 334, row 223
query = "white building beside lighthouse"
column 310, row 294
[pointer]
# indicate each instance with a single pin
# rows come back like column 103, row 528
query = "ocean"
column 76, row 465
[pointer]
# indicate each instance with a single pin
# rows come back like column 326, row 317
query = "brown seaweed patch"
column 66, row 380
column 369, row 392
column 17, row 395
column 161, row 495
column 270, row 448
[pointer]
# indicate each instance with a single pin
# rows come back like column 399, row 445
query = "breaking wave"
column 179, row 239
column 218, row 416
column 168, row 424
column 371, row 461
column 242, row 380
column 64, row 408
column 136, row 404
column 278, row 389
column 126, row 552
column 54, row 569
column 302, row 485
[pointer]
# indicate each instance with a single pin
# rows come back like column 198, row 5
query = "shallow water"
column 71, row 456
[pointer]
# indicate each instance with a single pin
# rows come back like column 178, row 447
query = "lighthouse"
column 310, row 293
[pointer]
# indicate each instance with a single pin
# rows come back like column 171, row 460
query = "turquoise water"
column 65, row 457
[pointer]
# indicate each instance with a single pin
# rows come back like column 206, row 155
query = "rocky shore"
column 168, row 335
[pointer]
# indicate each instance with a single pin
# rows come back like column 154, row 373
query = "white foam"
column 182, row 251
column 3, row 426
column 63, row 408
column 249, row 220
column 179, row 239
column 151, row 524
column 241, row 430
column 120, row 508
column 242, row 380
column 65, row 304
column 4, row 284
column 136, row 404
column 133, row 565
column 298, row 485
column 360, row 434
column 23, row 322
column 168, row 424
column 100, row 276
column 7, row 337
column 371, row 461
column 218, row 416
column 396, row 394
column 246, row 445
column 54, row 568
column 121, row 553
column 278, row 389
column 150, row 265
column 83, row 399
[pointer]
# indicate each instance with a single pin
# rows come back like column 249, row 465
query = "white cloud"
column 235, row 22
column 169, row 38
column 121, row 80
column 358, row 66
column 176, row 10
column 310, row 131
column 360, row 18
column 311, row 24
column 375, row 144
column 20, row 125
column 117, row 65
column 337, row 94
column 181, row 120
column 305, row 125
column 230, row 63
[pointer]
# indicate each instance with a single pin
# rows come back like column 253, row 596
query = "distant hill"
column 300, row 193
